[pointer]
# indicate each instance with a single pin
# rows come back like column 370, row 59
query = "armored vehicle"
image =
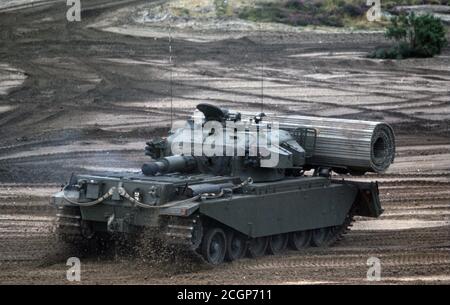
column 226, row 184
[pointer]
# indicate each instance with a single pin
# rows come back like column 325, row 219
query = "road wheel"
column 236, row 246
column 320, row 237
column 277, row 243
column 214, row 246
column 300, row 239
column 257, row 247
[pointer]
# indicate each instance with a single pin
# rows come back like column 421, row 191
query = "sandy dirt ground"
column 85, row 96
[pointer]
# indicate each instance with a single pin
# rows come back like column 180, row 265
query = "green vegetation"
column 222, row 8
column 320, row 12
column 388, row 4
column 181, row 12
column 304, row 12
column 416, row 36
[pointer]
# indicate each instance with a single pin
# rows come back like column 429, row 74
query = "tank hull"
column 260, row 209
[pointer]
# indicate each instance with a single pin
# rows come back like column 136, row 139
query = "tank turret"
column 271, row 147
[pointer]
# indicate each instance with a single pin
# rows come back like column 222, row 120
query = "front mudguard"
column 367, row 200
column 58, row 199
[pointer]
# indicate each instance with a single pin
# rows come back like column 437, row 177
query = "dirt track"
column 90, row 98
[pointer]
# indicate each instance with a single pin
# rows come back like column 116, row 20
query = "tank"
column 226, row 184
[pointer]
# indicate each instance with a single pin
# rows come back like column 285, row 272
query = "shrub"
column 222, row 7
column 400, row 51
column 416, row 36
column 295, row 4
column 353, row 10
column 428, row 35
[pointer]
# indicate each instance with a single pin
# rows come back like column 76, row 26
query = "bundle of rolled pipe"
column 351, row 145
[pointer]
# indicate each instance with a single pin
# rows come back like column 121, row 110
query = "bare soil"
column 85, row 96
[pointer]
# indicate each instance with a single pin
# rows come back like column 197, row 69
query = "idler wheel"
column 257, row 247
column 236, row 246
column 214, row 246
column 197, row 233
column 277, row 244
column 300, row 239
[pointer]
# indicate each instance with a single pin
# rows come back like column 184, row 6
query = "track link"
column 68, row 224
column 183, row 231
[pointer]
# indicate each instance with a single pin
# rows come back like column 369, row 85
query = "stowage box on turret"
column 226, row 184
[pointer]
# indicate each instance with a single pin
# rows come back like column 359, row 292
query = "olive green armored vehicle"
column 226, row 184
